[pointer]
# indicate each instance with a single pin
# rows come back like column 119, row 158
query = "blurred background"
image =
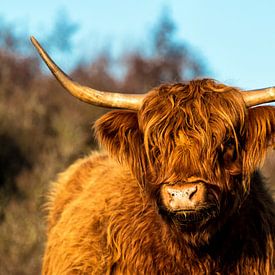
column 128, row 46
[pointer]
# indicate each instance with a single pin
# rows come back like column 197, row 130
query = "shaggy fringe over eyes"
column 184, row 124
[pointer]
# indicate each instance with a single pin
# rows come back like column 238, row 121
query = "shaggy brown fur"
column 106, row 214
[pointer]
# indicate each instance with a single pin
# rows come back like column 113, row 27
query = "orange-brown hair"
column 107, row 218
column 186, row 129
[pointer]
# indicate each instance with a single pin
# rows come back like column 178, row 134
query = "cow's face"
column 192, row 147
column 193, row 138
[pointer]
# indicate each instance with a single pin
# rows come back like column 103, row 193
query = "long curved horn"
column 260, row 96
column 86, row 94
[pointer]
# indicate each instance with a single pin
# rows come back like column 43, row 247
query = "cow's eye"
column 230, row 142
column 229, row 156
column 228, row 151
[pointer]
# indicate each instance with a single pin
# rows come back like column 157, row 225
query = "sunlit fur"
column 106, row 213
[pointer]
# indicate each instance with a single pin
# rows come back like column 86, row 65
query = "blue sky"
column 235, row 38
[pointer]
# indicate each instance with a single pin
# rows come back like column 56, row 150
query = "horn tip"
column 33, row 40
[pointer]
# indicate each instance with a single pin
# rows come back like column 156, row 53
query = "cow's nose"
column 183, row 193
column 182, row 196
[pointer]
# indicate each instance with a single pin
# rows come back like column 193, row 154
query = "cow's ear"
column 118, row 132
column 259, row 135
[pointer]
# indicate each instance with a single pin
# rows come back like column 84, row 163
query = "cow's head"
column 192, row 146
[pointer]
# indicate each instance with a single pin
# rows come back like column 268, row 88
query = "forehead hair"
column 193, row 117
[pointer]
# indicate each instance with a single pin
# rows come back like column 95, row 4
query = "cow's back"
column 80, row 204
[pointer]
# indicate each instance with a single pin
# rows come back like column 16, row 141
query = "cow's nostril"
column 192, row 191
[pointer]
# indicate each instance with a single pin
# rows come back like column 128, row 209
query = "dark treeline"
column 43, row 129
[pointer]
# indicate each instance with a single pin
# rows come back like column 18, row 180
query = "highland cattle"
column 176, row 188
